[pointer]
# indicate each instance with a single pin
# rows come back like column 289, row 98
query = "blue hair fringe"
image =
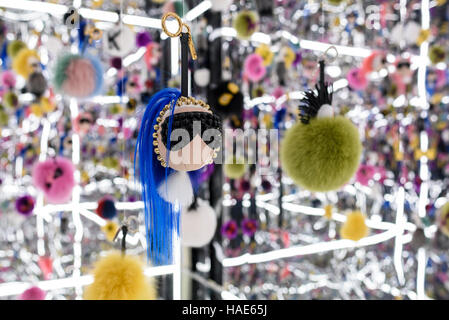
column 161, row 218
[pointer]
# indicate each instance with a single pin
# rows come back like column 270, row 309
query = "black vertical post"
column 281, row 193
column 322, row 73
column 216, row 180
column 184, row 64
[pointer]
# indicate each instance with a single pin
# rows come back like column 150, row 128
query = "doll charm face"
column 195, row 135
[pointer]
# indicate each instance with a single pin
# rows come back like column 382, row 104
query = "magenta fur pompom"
column 357, row 79
column 33, row 293
column 143, row 39
column 8, row 79
column 55, row 178
column 254, row 68
column 116, row 62
column 25, row 205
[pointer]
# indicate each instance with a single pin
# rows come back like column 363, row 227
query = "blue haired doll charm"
column 178, row 136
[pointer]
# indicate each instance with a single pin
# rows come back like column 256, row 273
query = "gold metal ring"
column 164, row 27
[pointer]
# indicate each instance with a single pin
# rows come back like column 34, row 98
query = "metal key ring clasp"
column 178, row 19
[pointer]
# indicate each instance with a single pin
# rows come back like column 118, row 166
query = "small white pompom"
column 220, row 5
column 54, row 45
column 198, row 226
column 326, row 111
column 445, row 136
column 178, row 188
column 202, row 77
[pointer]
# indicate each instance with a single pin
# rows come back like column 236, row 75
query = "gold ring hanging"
column 178, row 33
column 164, row 27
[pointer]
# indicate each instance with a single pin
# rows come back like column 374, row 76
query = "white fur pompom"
column 325, row 111
column 198, row 226
column 177, row 188
column 202, row 77
column 445, row 135
column 220, row 5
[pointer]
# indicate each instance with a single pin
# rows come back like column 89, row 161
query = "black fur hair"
column 315, row 99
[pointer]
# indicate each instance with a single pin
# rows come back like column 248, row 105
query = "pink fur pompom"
column 365, row 174
column 55, row 178
column 357, row 79
column 278, row 92
column 33, row 293
column 80, row 81
column 441, row 78
column 254, row 68
column 8, row 79
column 83, row 123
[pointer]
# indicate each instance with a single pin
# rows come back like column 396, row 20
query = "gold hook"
column 178, row 33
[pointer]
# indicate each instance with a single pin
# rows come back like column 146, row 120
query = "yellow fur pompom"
column 110, row 229
column 47, row 105
column 36, row 110
column 23, row 62
column 328, row 212
column 118, row 277
column 354, row 228
column 265, row 52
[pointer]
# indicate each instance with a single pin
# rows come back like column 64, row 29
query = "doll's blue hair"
column 161, row 217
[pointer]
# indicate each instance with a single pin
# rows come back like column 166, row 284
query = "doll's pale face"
column 194, row 153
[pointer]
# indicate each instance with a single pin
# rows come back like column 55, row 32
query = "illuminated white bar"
column 16, row 288
column 142, row 21
column 106, row 16
column 307, row 249
column 37, row 6
column 198, row 10
column 76, row 192
column 421, row 275
column 398, row 244
column 342, row 50
column 174, row 59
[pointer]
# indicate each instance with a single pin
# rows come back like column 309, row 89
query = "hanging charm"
column 178, row 136
column 321, row 152
column 319, row 103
